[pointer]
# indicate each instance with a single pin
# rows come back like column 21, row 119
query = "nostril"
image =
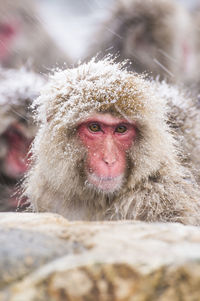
column 109, row 162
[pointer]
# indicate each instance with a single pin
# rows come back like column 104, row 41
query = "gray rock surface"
column 43, row 257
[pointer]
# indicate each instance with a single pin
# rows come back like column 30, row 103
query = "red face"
column 107, row 139
column 15, row 163
column 8, row 32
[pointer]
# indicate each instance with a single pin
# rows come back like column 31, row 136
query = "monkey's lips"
column 106, row 184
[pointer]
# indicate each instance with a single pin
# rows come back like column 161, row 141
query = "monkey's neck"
column 86, row 206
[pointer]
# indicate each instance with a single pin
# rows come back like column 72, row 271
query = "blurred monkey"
column 156, row 36
column 18, row 88
column 24, row 38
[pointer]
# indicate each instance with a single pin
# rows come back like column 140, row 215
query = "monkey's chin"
column 105, row 184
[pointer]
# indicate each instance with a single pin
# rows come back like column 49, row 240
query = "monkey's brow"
column 112, row 124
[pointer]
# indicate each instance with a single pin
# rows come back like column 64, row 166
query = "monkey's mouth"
column 105, row 184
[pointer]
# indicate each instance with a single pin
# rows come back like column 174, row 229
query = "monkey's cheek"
column 106, row 184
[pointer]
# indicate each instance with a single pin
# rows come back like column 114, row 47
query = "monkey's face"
column 7, row 35
column 107, row 140
column 16, row 145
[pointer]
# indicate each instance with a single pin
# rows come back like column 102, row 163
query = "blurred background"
column 78, row 20
column 71, row 24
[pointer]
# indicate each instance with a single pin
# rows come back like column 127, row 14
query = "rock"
column 43, row 257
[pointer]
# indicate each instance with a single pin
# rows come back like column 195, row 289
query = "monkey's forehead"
column 102, row 86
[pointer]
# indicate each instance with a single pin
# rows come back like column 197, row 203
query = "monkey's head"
column 101, row 129
column 17, row 90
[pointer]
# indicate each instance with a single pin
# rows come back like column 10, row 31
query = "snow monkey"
column 17, row 90
column 24, row 38
column 155, row 36
column 106, row 150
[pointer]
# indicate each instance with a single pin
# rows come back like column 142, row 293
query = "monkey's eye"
column 121, row 129
column 94, row 127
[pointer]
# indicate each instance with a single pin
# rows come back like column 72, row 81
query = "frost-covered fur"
column 157, row 36
column 157, row 187
column 18, row 88
column 184, row 120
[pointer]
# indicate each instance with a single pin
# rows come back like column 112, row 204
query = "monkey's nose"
column 109, row 161
column 109, row 153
